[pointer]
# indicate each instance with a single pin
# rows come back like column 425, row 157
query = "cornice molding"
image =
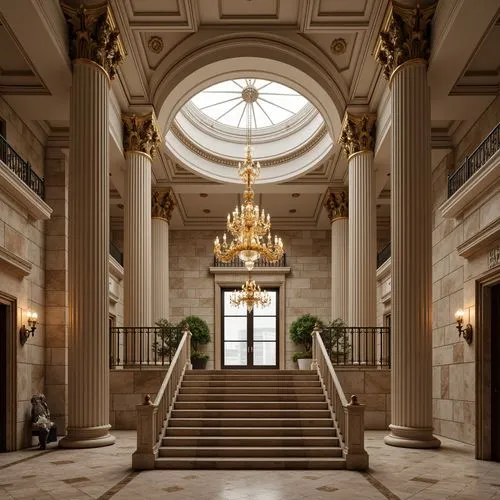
column 94, row 36
column 17, row 265
column 405, row 35
column 358, row 133
column 481, row 240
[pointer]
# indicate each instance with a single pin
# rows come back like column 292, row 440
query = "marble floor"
column 104, row 473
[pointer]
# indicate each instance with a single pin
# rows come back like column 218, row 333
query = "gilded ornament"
column 93, row 36
column 141, row 133
column 162, row 205
column 358, row 133
column 155, row 44
column 338, row 46
column 407, row 36
column 337, row 205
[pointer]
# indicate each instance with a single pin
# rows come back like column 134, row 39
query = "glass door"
column 250, row 339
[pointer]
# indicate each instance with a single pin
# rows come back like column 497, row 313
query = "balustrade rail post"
column 147, row 436
column 354, row 439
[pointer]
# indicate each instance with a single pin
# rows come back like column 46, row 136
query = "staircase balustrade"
column 152, row 417
column 348, row 416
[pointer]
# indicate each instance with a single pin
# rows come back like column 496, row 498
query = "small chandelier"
column 249, row 227
column 251, row 295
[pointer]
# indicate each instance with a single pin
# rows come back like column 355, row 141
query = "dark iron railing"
column 366, row 346
column 473, row 162
column 262, row 262
column 383, row 255
column 133, row 346
column 21, row 168
column 116, row 253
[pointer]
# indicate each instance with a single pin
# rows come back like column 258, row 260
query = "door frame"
column 250, row 317
column 11, row 371
column 233, row 278
column 482, row 339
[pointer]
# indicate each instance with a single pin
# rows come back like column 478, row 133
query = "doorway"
column 495, row 373
column 250, row 339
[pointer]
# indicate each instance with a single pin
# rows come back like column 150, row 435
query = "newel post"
column 145, row 455
column 185, row 328
column 354, row 436
column 314, row 363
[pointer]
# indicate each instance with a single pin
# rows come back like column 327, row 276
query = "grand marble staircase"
column 250, row 419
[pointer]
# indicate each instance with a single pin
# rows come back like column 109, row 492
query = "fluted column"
column 95, row 51
column 140, row 140
column 358, row 140
column 162, row 205
column 404, row 51
column 337, row 207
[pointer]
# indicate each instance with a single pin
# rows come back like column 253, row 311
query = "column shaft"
column 362, row 241
column 137, row 241
column 88, row 371
column 411, row 259
column 340, row 253
column 160, row 268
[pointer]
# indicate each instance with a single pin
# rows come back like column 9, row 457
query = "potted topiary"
column 200, row 334
column 336, row 341
column 300, row 333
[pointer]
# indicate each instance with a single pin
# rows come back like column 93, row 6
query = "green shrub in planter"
column 199, row 359
column 301, row 329
column 165, row 343
column 336, row 341
column 200, row 334
column 301, row 355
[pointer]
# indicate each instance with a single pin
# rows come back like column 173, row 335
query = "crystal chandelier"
column 251, row 295
column 249, row 227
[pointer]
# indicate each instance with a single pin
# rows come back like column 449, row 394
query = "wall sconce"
column 467, row 331
column 24, row 333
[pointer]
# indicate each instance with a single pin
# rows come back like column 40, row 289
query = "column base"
column 411, row 437
column 87, row 437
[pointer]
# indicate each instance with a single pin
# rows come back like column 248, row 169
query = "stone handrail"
column 348, row 416
column 152, row 417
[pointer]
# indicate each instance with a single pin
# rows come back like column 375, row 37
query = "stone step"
column 250, row 371
column 251, row 405
column 187, row 421
column 250, row 383
column 282, row 390
column 252, row 431
column 249, row 451
column 250, row 441
column 252, row 377
column 238, row 397
column 249, row 463
column 277, row 414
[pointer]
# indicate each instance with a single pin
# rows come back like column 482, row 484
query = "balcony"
column 21, row 168
column 384, row 255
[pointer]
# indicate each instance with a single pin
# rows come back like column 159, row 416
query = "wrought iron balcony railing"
column 143, row 346
column 21, row 168
column 353, row 346
column 383, row 255
column 236, row 262
column 116, row 253
column 473, row 162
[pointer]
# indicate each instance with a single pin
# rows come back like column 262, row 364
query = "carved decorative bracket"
column 93, row 35
column 337, row 205
column 141, row 133
column 358, row 133
column 162, row 205
column 406, row 35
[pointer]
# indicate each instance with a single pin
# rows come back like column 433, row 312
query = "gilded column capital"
column 358, row 133
column 141, row 133
column 336, row 205
column 406, row 35
column 93, row 36
column 162, row 205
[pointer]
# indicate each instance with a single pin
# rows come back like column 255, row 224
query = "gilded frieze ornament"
column 162, row 205
column 141, row 133
column 358, row 133
column 406, row 36
column 93, row 36
column 336, row 205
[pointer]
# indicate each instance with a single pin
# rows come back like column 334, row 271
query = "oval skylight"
column 234, row 102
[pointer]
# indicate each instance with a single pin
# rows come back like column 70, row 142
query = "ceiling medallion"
column 338, row 46
column 155, row 44
column 251, row 295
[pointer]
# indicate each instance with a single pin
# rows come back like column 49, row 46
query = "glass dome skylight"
column 270, row 102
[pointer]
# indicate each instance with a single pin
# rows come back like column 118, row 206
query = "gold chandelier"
column 251, row 295
column 249, row 227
